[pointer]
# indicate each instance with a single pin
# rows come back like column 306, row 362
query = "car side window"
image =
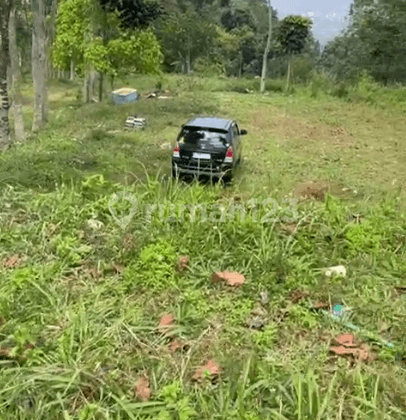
column 235, row 130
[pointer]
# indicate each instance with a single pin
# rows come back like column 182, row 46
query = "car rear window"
column 198, row 136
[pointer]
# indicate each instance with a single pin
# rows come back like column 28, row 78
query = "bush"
column 366, row 87
column 302, row 69
column 341, row 90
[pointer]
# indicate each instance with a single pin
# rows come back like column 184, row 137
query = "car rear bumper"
column 221, row 171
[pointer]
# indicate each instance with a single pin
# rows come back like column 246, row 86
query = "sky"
column 328, row 16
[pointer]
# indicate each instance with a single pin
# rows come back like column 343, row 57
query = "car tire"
column 227, row 177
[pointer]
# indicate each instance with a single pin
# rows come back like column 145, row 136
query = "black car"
column 207, row 146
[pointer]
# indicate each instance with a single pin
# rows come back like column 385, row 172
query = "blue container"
column 124, row 96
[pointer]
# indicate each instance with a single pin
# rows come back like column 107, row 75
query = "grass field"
column 81, row 298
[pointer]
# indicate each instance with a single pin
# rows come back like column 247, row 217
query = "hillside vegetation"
column 81, row 298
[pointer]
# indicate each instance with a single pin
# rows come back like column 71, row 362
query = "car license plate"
column 202, row 156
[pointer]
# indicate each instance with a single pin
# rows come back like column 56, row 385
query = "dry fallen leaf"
column 166, row 320
column 142, row 390
column 174, row 346
column 211, row 367
column 231, row 278
column 298, row 295
column 347, row 340
column 183, row 263
column 321, row 305
column 358, row 353
column 12, row 261
column 349, row 347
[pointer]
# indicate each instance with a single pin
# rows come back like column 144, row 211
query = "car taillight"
column 176, row 151
column 229, row 155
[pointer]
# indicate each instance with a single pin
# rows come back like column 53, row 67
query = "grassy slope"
column 93, row 327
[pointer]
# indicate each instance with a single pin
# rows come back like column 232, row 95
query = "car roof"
column 210, row 122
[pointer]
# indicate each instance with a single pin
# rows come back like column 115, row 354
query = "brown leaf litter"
column 230, row 278
column 183, row 263
column 298, row 295
column 166, row 321
column 211, row 367
column 142, row 389
column 12, row 262
column 321, row 305
column 348, row 345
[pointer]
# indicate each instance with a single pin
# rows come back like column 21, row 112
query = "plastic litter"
column 338, row 270
column 264, row 298
column 355, row 328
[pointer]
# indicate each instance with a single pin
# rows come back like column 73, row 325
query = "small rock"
column 256, row 323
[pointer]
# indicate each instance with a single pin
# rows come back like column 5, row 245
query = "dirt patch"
column 287, row 127
column 312, row 189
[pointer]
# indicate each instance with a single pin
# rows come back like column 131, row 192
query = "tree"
column 293, row 32
column 39, row 63
column 94, row 39
column 267, row 48
column 134, row 14
column 375, row 40
column 186, row 36
column 16, row 76
column 5, row 7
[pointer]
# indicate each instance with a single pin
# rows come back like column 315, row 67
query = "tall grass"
column 81, row 297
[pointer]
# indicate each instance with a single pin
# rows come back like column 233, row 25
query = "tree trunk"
column 101, row 77
column 39, row 64
column 93, row 79
column 86, row 87
column 9, row 73
column 5, row 139
column 288, row 78
column 266, row 52
column 188, row 55
column 72, row 70
column 16, row 78
column 112, row 82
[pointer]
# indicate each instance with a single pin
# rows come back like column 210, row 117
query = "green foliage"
column 91, row 37
column 373, row 41
column 72, row 27
column 293, row 32
column 154, row 269
column 177, row 405
column 80, row 306
column 366, row 87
